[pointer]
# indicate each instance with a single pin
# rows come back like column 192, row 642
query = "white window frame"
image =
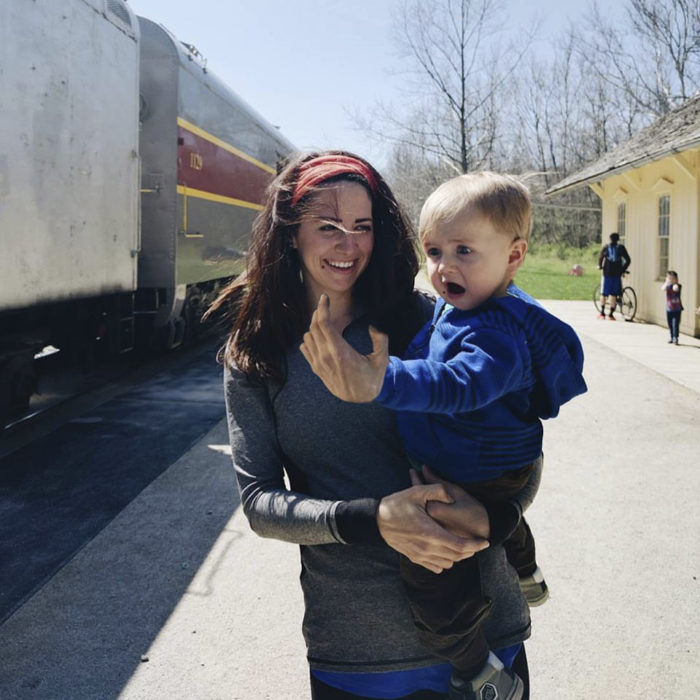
column 663, row 190
column 622, row 220
column 663, row 233
column 620, row 201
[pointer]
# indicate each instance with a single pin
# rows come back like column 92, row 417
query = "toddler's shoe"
column 611, row 318
column 534, row 588
column 601, row 316
column 493, row 681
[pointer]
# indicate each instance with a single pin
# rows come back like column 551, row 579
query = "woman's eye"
column 330, row 228
column 463, row 250
column 363, row 228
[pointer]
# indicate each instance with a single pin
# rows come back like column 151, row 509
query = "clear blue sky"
column 307, row 65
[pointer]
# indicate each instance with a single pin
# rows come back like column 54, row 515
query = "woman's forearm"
column 292, row 517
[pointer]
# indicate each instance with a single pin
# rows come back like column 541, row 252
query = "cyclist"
column 613, row 261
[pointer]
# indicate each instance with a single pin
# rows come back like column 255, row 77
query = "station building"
column 649, row 187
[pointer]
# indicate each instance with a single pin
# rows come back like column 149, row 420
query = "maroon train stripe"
column 202, row 165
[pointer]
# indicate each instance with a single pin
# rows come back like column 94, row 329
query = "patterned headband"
column 317, row 170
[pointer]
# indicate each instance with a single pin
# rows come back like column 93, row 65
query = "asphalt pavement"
column 176, row 598
column 67, row 483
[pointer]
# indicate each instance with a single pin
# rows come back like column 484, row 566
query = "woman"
column 331, row 225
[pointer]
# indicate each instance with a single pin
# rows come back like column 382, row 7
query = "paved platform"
column 176, row 598
column 63, row 488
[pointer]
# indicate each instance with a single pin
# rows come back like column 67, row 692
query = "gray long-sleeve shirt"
column 356, row 615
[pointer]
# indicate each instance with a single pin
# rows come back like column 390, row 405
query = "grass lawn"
column 544, row 273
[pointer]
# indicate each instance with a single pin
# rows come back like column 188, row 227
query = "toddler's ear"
column 516, row 256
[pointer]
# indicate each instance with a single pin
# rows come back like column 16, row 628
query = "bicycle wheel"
column 628, row 303
column 596, row 298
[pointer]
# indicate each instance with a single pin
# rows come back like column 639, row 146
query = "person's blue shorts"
column 612, row 286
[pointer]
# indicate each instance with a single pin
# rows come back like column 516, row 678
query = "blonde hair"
column 501, row 198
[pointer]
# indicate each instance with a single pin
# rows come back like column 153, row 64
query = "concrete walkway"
column 617, row 521
column 176, row 598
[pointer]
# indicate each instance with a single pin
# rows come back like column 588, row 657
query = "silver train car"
column 129, row 179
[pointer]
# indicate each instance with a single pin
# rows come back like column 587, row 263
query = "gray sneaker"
column 534, row 588
column 494, row 682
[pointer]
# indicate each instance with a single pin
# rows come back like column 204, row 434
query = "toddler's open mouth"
column 454, row 288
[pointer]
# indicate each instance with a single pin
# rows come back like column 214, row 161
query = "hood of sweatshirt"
column 556, row 352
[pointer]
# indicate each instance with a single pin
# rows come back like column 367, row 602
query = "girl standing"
column 673, row 304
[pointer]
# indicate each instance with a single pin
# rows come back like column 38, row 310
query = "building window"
column 622, row 221
column 664, row 229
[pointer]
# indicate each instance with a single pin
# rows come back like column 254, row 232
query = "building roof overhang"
column 675, row 132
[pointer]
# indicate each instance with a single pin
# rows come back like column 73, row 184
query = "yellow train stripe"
column 222, row 144
column 201, row 194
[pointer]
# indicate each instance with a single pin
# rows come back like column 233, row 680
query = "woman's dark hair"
column 266, row 309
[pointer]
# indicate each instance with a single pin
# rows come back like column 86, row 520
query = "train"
column 130, row 176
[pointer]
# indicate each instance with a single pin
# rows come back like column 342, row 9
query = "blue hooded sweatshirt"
column 475, row 384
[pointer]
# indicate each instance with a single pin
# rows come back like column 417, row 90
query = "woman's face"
column 335, row 239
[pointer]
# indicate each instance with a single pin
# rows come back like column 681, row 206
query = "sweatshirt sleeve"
column 489, row 365
column 273, row 510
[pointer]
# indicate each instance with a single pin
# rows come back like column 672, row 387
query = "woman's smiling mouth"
column 341, row 265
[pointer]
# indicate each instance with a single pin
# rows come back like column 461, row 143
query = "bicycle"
column 626, row 301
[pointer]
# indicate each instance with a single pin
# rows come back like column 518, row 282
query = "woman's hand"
column 465, row 516
column 406, row 526
column 346, row 373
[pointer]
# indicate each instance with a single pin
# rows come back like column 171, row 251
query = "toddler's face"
column 469, row 260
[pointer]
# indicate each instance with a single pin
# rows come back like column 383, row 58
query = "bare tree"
column 651, row 55
column 455, row 80
column 564, row 119
column 473, row 102
column 545, row 112
column 414, row 174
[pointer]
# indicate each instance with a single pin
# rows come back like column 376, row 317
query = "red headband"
column 321, row 168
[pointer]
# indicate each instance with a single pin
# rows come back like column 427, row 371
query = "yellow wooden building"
column 649, row 187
